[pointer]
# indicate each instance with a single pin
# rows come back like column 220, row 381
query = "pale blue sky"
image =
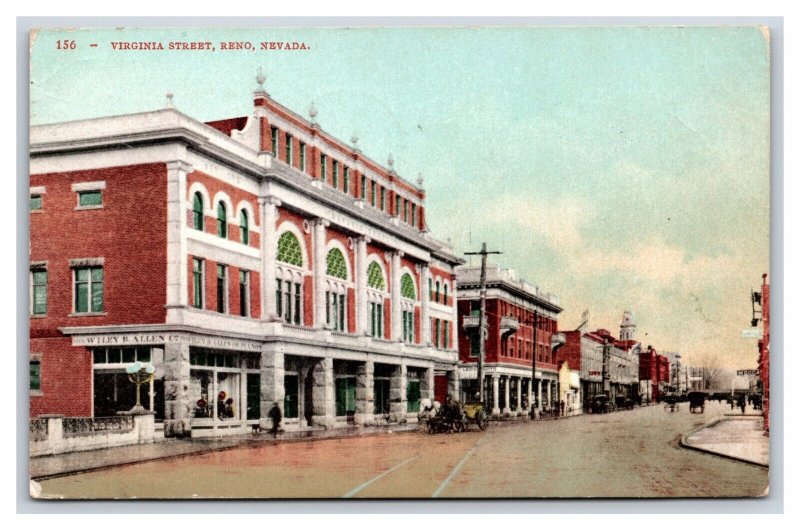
column 617, row 167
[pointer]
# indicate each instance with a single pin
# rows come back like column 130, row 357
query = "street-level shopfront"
column 508, row 390
column 213, row 386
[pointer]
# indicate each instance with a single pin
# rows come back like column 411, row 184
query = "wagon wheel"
column 483, row 423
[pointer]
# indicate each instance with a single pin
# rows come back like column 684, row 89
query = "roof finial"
column 390, row 161
column 312, row 113
column 170, row 95
column 354, row 141
column 420, row 180
column 260, row 79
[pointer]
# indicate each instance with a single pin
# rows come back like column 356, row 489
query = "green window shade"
column 278, row 298
column 244, row 227
column 397, row 205
column 97, row 296
column 289, row 249
column 375, row 277
column 302, row 156
column 336, row 264
column 88, row 289
column 372, row 193
column 335, row 183
column 90, row 198
column 363, row 187
column 323, row 168
column 244, row 293
column 407, row 289
column 35, row 375
column 383, row 199
column 342, row 301
column 446, row 341
column 289, row 149
column 346, row 186
column 345, row 396
column 197, row 283
column 413, row 214
column 381, row 394
column 198, row 216
column 39, row 294
column 274, row 141
column 221, row 291
column 36, row 202
column 445, row 293
column 297, row 305
column 413, row 395
column 222, row 221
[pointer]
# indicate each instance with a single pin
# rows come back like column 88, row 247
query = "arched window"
column 289, row 250
column 375, row 277
column 337, row 266
column 445, row 294
column 244, row 227
column 336, row 295
column 438, row 292
column 197, row 209
column 407, row 289
column 376, row 281
column 222, row 220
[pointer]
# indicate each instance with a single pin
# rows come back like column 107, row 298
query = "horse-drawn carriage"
column 451, row 417
column 697, row 402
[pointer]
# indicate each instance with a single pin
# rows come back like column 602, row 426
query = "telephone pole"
column 482, row 318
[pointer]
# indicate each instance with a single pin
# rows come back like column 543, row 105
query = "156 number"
column 65, row 45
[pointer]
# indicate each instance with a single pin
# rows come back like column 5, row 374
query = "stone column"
column 495, row 395
column 269, row 252
column 507, row 392
column 453, row 384
column 320, row 267
column 549, row 394
column 539, row 394
column 530, row 396
column 365, row 394
column 425, row 313
column 397, row 328
column 519, row 396
column 324, row 394
column 302, row 373
column 177, row 409
column 177, row 275
column 426, row 385
column 362, row 322
column 398, row 402
column 272, row 389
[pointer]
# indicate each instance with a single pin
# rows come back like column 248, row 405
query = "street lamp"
column 139, row 374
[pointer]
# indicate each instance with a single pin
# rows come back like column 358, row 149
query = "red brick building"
column 510, row 306
column 251, row 260
column 654, row 375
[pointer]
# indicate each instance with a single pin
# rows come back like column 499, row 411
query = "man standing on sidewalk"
column 276, row 417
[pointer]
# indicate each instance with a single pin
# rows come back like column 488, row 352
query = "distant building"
column 513, row 306
column 653, row 375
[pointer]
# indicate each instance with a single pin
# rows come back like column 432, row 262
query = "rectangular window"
column 335, row 182
column 383, row 199
column 413, row 396
column 414, row 215
column 278, row 298
column 346, row 178
column 302, row 156
column 363, row 187
column 397, row 205
column 474, row 344
column 376, row 314
column 88, row 289
column 372, row 192
column 39, row 291
column 323, row 168
column 36, row 203
column 297, row 305
column 446, row 340
column 335, row 308
column 287, row 302
column 408, row 326
column 274, row 141
column 90, row 198
column 35, row 370
column 222, row 289
column 198, row 266
column 244, row 293
column 289, row 149
column 436, row 322
column 405, row 210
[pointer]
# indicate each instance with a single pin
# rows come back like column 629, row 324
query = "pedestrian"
column 562, row 405
column 276, row 416
column 742, row 402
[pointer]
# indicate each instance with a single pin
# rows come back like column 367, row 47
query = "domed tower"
column 627, row 330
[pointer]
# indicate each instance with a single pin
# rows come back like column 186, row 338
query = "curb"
column 683, row 443
column 252, row 442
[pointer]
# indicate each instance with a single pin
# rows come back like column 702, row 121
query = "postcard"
column 399, row 262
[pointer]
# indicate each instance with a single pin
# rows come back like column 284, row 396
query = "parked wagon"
column 475, row 414
column 697, row 402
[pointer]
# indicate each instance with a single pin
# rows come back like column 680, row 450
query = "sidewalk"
column 71, row 463
column 737, row 436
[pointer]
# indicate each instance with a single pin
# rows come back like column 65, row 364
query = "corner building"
column 251, row 260
column 513, row 308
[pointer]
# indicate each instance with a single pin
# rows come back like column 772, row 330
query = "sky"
column 617, row 167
